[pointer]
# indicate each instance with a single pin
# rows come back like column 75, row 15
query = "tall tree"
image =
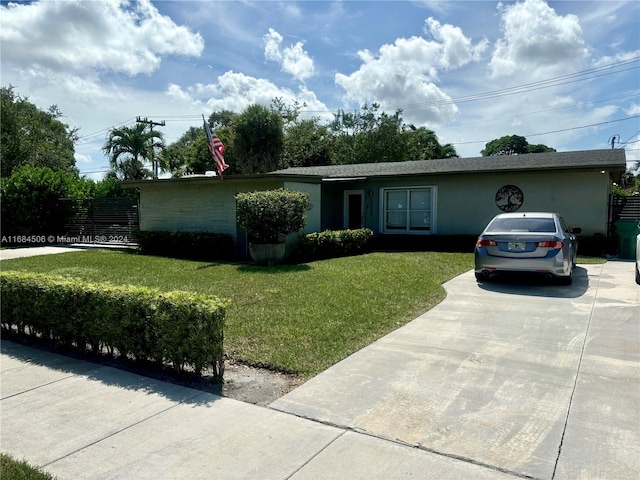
column 423, row 144
column 30, row 136
column 306, row 144
column 190, row 153
column 223, row 118
column 130, row 149
column 512, row 145
column 370, row 136
column 258, row 139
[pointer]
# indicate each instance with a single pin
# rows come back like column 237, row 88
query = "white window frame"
column 433, row 190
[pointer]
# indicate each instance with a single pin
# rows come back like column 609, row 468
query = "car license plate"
column 517, row 246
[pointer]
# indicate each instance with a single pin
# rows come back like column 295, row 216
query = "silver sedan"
column 527, row 242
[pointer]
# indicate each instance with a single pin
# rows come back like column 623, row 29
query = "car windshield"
column 523, row 224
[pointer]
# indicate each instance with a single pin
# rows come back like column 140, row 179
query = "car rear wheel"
column 566, row 280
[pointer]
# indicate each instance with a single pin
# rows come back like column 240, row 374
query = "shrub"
column 269, row 216
column 329, row 244
column 596, row 245
column 142, row 324
column 29, row 201
column 204, row 246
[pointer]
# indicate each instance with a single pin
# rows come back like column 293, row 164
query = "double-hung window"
column 408, row 210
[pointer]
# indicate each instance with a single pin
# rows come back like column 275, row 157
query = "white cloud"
column 537, row 41
column 456, row 49
column 236, row 91
column 83, row 88
column 634, row 109
column 80, row 36
column 83, row 158
column 620, row 57
column 405, row 73
column 293, row 60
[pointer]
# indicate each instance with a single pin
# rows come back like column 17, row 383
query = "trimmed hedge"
column 141, row 324
column 332, row 243
column 204, row 246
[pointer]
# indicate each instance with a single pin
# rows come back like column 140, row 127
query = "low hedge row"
column 178, row 328
column 332, row 243
column 206, row 246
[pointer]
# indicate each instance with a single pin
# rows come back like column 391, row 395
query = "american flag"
column 215, row 147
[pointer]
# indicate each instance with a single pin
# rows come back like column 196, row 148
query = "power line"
column 555, row 131
column 528, row 87
column 566, row 107
column 86, row 138
column 629, row 139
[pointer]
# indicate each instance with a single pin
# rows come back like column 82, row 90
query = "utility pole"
column 154, row 162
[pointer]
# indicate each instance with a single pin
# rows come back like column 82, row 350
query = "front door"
column 353, row 209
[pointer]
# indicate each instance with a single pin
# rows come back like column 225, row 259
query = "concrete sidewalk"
column 80, row 420
column 9, row 253
column 499, row 381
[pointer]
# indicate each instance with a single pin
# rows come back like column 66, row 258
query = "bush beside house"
column 267, row 217
column 332, row 243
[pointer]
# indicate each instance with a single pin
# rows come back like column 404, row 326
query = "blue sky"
column 565, row 74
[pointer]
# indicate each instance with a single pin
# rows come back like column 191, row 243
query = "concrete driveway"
column 526, row 378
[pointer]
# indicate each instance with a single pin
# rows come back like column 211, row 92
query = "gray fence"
column 625, row 208
column 101, row 220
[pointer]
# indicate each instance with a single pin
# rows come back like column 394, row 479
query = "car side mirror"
column 576, row 230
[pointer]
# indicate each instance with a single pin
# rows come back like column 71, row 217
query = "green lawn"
column 12, row 469
column 296, row 318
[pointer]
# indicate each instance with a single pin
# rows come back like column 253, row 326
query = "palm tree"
column 130, row 148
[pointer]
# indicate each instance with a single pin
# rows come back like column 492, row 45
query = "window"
column 523, row 224
column 407, row 210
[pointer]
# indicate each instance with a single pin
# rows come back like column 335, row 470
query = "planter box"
column 267, row 254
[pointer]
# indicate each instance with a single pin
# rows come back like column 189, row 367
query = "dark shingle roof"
column 588, row 159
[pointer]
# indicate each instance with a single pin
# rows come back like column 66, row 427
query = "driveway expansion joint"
column 575, row 381
column 112, row 434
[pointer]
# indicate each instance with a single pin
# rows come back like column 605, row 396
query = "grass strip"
column 12, row 469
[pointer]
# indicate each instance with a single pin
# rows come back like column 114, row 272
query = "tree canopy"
column 512, row 145
column 258, row 139
column 30, row 136
column 130, row 149
column 263, row 139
